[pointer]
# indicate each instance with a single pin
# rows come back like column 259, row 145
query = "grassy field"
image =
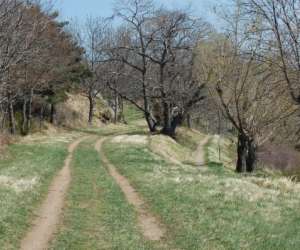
column 207, row 207
column 97, row 216
column 213, row 207
column 26, row 170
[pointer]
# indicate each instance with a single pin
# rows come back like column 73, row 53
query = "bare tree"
column 247, row 91
column 93, row 36
column 279, row 20
column 282, row 19
column 131, row 49
column 173, row 36
column 158, row 44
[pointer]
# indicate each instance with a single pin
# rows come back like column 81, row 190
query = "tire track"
column 149, row 225
column 48, row 216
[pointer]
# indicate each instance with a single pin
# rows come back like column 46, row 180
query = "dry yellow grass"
column 134, row 139
column 169, row 149
column 74, row 112
column 18, row 185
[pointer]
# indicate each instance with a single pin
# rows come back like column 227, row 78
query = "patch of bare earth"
column 149, row 224
column 48, row 216
column 199, row 154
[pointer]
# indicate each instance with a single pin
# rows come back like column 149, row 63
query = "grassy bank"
column 96, row 216
column 131, row 113
column 212, row 207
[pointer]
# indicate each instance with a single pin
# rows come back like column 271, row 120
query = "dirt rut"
column 199, row 154
column 150, row 226
column 48, row 216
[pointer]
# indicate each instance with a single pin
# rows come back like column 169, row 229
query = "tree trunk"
column 251, row 158
column 11, row 115
column 241, row 154
column 150, row 122
column 24, row 117
column 29, row 115
column 91, row 109
column 116, row 107
column 176, row 121
column 189, row 120
column 167, row 119
column 122, row 110
column 168, row 129
column 41, row 116
column 246, row 151
column 3, row 118
column 52, row 113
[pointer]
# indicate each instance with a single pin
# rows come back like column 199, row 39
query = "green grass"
column 189, row 138
column 212, row 207
column 166, row 146
column 30, row 169
column 208, row 207
column 131, row 113
column 221, row 151
column 96, row 216
column 113, row 130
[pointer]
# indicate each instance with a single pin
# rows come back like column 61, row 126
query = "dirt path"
column 150, row 226
column 199, row 154
column 48, row 216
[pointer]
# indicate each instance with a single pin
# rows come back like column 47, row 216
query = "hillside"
column 74, row 111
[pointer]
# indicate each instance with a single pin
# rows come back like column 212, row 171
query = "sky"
column 80, row 9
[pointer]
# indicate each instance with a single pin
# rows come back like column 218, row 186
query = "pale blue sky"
column 80, row 9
